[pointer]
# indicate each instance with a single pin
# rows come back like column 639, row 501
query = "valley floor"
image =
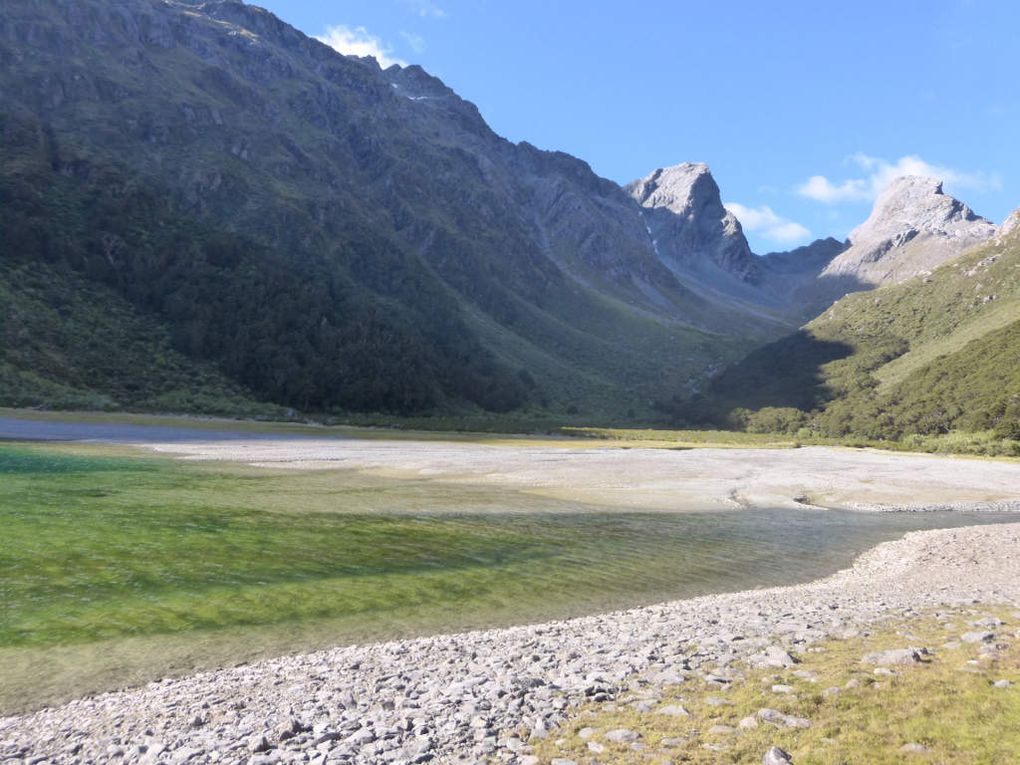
column 600, row 472
column 675, row 480
column 509, row 695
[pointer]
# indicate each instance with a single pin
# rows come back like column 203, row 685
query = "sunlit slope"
column 935, row 354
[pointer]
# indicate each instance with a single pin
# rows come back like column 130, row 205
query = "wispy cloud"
column 416, row 42
column 427, row 9
column 875, row 174
column 764, row 221
column 357, row 41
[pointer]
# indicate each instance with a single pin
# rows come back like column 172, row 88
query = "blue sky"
column 802, row 109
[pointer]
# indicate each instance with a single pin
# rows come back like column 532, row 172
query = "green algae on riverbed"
column 101, row 547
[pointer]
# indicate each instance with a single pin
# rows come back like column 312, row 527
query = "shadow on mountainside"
column 785, row 373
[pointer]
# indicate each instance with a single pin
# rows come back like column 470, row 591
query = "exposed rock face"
column 689, row 226
column 1011, row 224
column 913, row 228
column 811, row 259
column 793, row 276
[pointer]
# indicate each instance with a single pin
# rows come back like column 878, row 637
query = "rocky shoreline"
column 482, row 696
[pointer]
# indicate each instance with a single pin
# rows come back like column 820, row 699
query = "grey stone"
column 673, row 710
column 914, row 748
column 772, row 657
column 980, row 636
column 622, row 735
column 776, row 756
column 259, row 743
column 893, row 657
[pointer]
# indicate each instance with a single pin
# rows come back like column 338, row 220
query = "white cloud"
column 879, row 173
column 821, row 189
column 417, row 42
column 427, row 9
column 356, row 41
column 763, row 220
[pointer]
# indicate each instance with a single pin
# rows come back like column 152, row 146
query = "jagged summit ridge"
column 913, row 227
column 689, row 226
column 1011, row 224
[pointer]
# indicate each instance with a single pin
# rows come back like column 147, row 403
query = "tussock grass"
column 947, row 704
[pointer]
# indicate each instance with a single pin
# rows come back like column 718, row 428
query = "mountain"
column 203, row 209
column 318, row 232
column 930, row 355
column 703, row 245
column 692, row 232
column 913, row 228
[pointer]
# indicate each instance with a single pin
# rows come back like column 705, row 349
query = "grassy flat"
column 942, row 710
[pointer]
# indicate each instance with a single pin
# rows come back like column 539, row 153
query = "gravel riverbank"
column 483, row 695
column 691, row 480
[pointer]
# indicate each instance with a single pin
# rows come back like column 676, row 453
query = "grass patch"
column 946, row 707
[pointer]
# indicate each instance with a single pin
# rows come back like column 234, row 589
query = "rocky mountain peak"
column 689, row 227
column 1011, row 224
column 913, row 227
column 681, row 188
column 914, row 204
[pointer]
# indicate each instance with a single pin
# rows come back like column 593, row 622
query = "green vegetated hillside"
column 936, row 355
column 227, row 198
column 69, row 344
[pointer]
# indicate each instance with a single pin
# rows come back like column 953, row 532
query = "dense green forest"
column 293, row 332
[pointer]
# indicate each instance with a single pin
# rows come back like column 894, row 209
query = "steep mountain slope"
column 933, row 354
column 324, row 233
column 792, row 277
column 703, row 245
column 691, row 229
column 56, row 336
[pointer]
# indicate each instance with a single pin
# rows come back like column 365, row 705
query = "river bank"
column 484, row 694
